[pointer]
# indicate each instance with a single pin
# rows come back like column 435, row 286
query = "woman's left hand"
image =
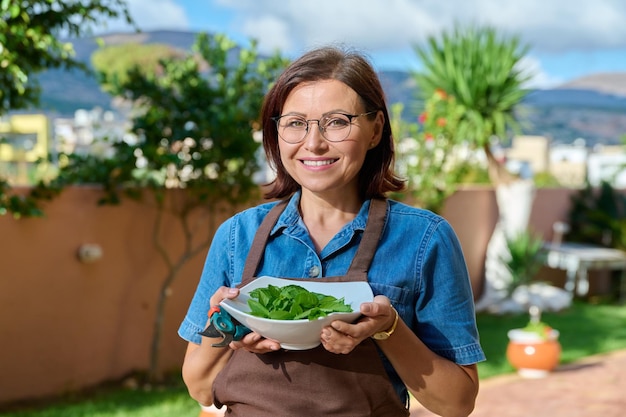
column 341, row 337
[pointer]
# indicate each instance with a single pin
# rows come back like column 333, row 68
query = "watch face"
column 380, row 336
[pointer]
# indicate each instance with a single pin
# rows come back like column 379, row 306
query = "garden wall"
column 66, row 325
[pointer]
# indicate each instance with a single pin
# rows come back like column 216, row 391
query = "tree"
column 114, row 62
column 482, row 70
column 195, row 121
column 30, row 42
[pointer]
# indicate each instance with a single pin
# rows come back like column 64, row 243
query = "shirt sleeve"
column 445, row 307
column 214, row 275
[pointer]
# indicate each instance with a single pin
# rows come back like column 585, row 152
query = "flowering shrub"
column 430, row 153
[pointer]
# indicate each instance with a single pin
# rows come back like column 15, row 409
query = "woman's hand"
column 342, row 337
column 253, row 341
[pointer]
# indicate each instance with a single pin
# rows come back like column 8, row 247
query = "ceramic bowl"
column 298, row 334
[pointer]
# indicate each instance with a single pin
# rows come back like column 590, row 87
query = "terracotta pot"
column 532, row 355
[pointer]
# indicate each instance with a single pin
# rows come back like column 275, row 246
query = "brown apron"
column 314, row 382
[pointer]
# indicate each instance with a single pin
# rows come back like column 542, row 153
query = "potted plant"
column 523, row 260
column 534, row 350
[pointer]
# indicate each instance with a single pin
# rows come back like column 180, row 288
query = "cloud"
column 150, row 15
column 554, row 26
column 540, row 78
column 556, row 31
column 374, row 25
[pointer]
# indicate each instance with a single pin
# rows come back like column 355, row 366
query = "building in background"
column 24, row 140
column 571, row 164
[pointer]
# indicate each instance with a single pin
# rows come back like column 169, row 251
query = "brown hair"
column 330, row 63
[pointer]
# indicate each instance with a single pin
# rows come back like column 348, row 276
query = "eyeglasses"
column 334, row 127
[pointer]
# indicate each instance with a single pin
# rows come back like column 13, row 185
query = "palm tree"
column 482, row 71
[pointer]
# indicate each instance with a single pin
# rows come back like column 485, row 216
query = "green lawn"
column 172, row 401
column 585, row 330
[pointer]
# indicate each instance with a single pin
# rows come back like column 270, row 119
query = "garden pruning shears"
column 222, row 324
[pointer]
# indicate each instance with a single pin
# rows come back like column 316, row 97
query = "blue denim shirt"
column 418, row 265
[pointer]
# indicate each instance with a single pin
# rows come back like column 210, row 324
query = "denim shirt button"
column 314, row 271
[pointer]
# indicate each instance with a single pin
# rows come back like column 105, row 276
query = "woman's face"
column 320, row 166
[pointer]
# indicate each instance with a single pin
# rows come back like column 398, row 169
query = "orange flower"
column 441, row 122
column 422, row 118
column 439, row 93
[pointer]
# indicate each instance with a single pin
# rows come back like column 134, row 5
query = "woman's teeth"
column 317, row 163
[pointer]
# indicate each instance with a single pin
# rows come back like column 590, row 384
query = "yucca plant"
column 482, row 71
column 524, row 260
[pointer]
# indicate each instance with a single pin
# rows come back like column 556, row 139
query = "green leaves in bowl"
column 293, row 302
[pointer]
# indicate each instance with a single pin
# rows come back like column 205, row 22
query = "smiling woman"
column 333, row 224
column 327, row 160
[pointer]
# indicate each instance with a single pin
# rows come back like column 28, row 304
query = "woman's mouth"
column 318, row 163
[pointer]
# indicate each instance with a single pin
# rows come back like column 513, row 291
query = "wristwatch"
column 385, row 335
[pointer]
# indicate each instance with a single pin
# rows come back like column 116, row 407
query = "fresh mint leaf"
column 293, row 302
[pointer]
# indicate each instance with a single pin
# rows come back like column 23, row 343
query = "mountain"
column 612, row 83
column 566, row 114
column 593, row 107
column 64, row 92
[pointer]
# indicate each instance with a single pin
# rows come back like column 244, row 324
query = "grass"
column 169, row 401
column 586, row 329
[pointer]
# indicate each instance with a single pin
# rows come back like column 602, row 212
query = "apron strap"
column 260, row 240
column 361, row 262
column 369, row 242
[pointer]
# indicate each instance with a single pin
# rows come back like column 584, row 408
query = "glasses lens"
column 335, row 127
column 292, row 129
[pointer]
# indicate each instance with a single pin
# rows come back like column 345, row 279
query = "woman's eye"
column 336, row 122
column 296, row 123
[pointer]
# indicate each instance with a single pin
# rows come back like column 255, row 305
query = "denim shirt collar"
column 291, row 221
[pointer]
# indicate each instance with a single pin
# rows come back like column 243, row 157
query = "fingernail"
column 232, row 290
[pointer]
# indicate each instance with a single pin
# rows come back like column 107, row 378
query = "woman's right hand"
column 223, row 293
column 252, row 342
column 255, row 343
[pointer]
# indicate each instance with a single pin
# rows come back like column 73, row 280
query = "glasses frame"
column 322, row 129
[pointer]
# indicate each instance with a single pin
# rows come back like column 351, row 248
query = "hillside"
column 564, row 114
column 612, row 83
column 592, row 107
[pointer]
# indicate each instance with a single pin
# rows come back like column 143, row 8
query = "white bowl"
column 298, row 334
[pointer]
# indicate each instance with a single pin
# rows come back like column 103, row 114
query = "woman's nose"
column 314, row 139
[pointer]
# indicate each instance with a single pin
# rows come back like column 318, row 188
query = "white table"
column 577, row 259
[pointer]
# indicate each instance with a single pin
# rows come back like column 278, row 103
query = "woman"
column 327, row 133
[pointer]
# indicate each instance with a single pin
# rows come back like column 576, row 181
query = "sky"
column 567, row 39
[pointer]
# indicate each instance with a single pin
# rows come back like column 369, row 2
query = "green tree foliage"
column 482, row 71
column 194, row 119
column 30, row 41
column 598, row 215
column 116, row 61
